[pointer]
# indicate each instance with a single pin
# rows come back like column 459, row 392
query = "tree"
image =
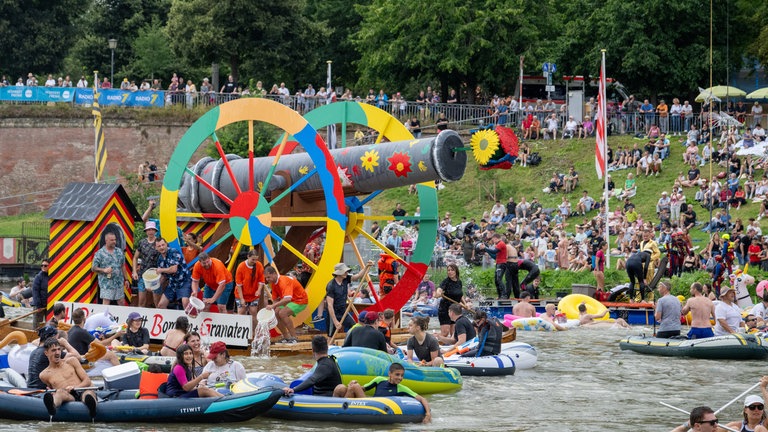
column 459, row 42
column 35, row 34
column 153, row 51
column 269, row 39
column 234, row 139
column 653, row 46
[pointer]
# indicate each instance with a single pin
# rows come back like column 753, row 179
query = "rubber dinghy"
column 729, row 347
column 122, row 406
column 369, row 410
column 364, row 364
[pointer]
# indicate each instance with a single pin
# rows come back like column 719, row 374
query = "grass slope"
column 470, row 196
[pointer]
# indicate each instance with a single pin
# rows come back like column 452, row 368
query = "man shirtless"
column 586, row 319
column 701, row 309
column 65, row 376
column 524, row 308
column 550, row 314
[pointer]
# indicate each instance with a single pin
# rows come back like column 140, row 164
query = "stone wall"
column 38, row 157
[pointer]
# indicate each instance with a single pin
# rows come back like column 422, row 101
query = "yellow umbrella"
column 720, row 92
column 759, row 94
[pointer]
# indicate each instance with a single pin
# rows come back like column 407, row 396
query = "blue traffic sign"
column 549, row 67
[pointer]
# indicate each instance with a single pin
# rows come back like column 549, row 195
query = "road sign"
column 545, row 68
column 549, row 88
column 548, row 68
column 552, row 67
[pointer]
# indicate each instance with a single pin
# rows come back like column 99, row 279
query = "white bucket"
column 151, row 280
column 194, row 307
column 268, row 317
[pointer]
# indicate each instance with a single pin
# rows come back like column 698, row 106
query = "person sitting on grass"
column 388, row 387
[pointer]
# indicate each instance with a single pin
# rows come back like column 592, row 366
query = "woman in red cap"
column 221, row 368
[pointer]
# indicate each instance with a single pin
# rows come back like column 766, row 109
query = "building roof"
column 84, row 201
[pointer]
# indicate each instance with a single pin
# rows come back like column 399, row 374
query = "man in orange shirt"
column 217, row 281
column 249, row 282
column 288, row 299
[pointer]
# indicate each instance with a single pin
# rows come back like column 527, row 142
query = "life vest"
column 387, row 273
column 150, row 383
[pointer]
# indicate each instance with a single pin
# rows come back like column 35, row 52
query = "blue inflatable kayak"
column 122, row 406
column 369, row 410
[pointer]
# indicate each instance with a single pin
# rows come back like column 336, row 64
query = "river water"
column 582, row 382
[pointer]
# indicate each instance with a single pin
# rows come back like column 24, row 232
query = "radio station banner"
column 37, row 94
column 233, row 330
column 116, row 97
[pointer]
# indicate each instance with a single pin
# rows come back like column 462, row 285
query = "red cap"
column 216, row 349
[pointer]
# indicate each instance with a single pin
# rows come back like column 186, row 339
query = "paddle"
column 686, row 412
column 460, row 304
column 20, row 392
column 350, row 303
column 4, row 323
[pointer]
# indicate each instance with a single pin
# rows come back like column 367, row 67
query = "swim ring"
column 569, row 305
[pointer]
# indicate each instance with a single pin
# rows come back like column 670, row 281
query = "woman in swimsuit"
column 175, row 337
column 199, row 353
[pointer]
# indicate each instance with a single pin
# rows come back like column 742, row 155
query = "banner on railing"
column 116, row 97
column 37, row 94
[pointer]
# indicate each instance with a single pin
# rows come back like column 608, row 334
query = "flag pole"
column 520, row 105
column 604, row 126
column 95, row 131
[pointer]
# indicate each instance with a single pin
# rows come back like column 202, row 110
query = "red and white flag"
column 600, row 126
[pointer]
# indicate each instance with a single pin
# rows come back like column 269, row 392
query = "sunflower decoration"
column 303, row 170
column 370, row 160
column 484, row 145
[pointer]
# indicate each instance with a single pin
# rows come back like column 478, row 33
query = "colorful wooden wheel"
column 391, row 129
column 250, row 216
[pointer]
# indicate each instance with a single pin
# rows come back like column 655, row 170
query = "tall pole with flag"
column 520, row 105
column 100, row 148
column 601, row 147
column 331, row 131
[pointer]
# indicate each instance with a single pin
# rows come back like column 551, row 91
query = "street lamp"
column 112, row 46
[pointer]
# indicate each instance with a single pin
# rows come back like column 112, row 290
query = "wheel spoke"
column 209, row 186
column 202, row 215
column 226, row 163
column 323, row 219
column 211, row 247
column 293, row 186
column 373, row 195
column 235, row 253
column 250, row 156
column 266, row 246
column 362, row 265
column 280, row 150
column 293, row 250
column 378, row 244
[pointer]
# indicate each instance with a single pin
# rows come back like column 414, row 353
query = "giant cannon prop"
column 302, row 188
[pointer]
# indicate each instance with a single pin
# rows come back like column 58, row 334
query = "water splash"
column 261, row 340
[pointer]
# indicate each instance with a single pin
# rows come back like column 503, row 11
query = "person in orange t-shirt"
column 288, row 300
column 249, row 282
column 217, row 281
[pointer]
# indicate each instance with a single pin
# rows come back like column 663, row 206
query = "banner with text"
column 116, row 97
column 37, row 94
column 234, row 330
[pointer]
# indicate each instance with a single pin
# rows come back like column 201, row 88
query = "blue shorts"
column 208, row 293
column 700, row 332
column 141, row 286
column 173, row 294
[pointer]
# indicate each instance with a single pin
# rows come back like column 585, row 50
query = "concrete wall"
column 40, row 156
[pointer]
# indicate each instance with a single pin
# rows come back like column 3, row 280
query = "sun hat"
column 340, row 269
column 150, row 225
column 725, row 290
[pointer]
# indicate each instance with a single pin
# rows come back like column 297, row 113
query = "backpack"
column 534, row 159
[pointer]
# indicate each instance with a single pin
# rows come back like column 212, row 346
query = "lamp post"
column 112, row 46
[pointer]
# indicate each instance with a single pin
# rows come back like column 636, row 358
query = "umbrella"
column 719, row 92
column 759, row 94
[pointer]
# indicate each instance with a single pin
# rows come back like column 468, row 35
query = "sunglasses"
column 710, row 422
column 756, row 407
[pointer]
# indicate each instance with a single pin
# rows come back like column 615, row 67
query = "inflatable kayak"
column 364, row 364
column 123, row 407
column 497, row 365
column 369, row 410
column 730, row 347
column 523, row 354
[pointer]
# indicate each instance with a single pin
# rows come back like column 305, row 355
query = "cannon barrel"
column 368, row 168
